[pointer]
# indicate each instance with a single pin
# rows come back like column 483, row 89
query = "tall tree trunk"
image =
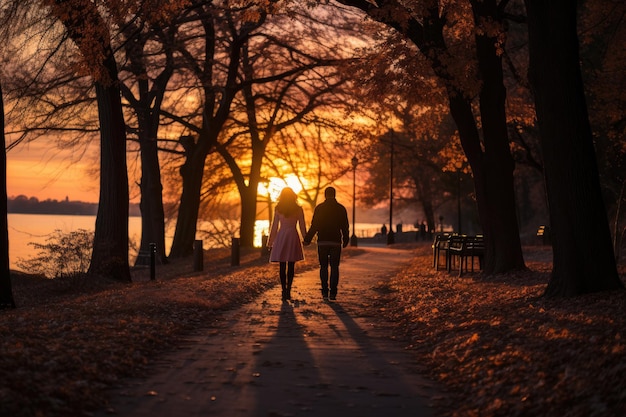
column 494, row 193
column 217, row 103
column 499, row 219
column 6, row 291
column 192, row 172
column 87, row 29
column 426, row 197
column 248, row 216
column 581, row 238
column 147, row 106
column 248, row 189
column 110, row 247
column 151, row 203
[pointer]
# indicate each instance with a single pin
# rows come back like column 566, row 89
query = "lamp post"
column 353, row 239
column 459, row 169
column 390, row 236
column 458, row 198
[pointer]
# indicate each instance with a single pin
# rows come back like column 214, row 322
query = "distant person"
column 330, row 222
column 284, row 242
column 383, row 230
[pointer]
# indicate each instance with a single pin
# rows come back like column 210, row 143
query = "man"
column 330, row 222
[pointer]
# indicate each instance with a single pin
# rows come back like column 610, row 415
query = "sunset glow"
column 37, row 171
column 274, row 186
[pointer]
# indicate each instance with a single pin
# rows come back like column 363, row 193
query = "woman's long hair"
column 287, row 202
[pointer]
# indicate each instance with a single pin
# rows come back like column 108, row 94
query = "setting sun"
column 274, row 185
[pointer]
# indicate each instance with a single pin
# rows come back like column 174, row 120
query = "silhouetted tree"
column 212, row 56
column 7, row 17
column 89, row 31
column 581, row 239
column 6, row 292
column 284, row 81
column 487, row 147
column 145, row 91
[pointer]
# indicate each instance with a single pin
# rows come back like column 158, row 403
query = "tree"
column 488, row 155
column 216, row 69
column 416, row 109
column 284, row 81
column 602, row 34
column 420, row 162
column 6, row 292
column 581, row 239
column 89, row 31
column 148, row 35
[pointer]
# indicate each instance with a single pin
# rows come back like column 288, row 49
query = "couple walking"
column 330, row 223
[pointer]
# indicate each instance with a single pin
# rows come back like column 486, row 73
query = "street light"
column 390, row 237
column 353, row 239
column 458, row 198
column 459, row 166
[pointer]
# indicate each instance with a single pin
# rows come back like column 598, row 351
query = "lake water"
column 27, row 228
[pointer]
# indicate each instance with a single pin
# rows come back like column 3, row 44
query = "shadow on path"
column 306, row 357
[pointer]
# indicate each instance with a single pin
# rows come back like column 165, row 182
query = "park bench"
column 463, row 249
column 440, row 244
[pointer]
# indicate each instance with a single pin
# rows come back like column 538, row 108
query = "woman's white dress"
column 284, row 239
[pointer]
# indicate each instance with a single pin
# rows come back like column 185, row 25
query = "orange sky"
column 34, row 170
column 40, row 170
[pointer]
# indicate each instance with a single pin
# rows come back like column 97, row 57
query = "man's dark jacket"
column 330, row 222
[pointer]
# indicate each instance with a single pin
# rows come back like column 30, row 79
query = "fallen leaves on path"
column 495, row 346
column 501, row 349
column 69, row 340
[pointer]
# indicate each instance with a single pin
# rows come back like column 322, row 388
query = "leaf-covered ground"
column 70, row 339
column 496, row 346
column 501, row 349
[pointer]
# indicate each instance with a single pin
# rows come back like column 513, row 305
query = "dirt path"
column 307, row 357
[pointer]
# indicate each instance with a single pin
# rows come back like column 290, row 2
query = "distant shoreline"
column 32, row 205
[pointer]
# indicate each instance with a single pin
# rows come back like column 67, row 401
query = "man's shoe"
column 333, row 297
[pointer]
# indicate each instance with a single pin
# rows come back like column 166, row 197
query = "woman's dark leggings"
column 287, row 270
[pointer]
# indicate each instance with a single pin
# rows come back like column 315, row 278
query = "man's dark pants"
column 329, row 255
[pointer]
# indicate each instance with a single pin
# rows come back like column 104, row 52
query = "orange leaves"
column 473, row 339
column 503, row 350
column 65, row 347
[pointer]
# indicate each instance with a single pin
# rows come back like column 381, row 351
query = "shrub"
column 63, row 254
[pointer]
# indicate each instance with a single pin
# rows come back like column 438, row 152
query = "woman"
column 284, row 241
